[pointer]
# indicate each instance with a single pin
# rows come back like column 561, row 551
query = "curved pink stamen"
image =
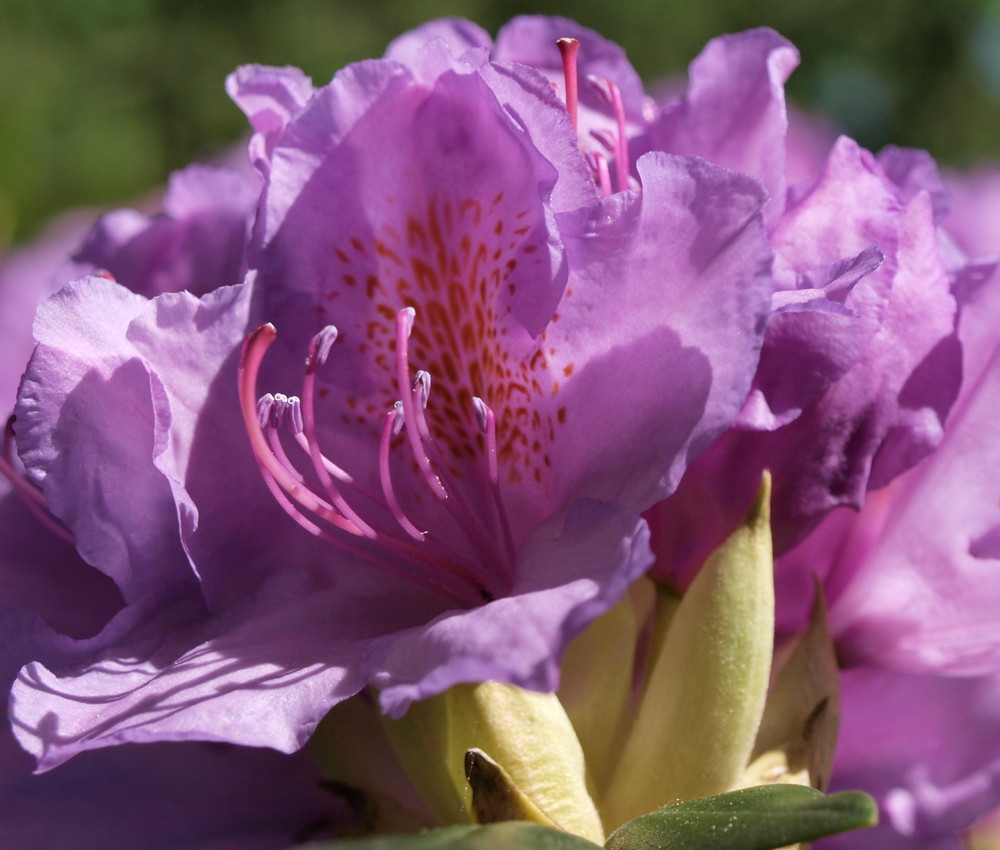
column 404, row 324
column 389, row 429
column 316, row 347
column 251, row 356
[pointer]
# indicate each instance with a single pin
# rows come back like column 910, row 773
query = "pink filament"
column 404, row 322
column 386, row 478
column 621, row 153
column 455, row 579
column 309, row 429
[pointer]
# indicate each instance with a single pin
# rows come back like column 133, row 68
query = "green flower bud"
column 703, row 702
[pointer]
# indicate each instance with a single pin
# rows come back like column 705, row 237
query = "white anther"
column 322, row 343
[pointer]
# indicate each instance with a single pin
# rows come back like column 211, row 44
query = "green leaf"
column 513, row 835
column 760, row 818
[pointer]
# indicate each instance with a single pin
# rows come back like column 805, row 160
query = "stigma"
column 414, row 514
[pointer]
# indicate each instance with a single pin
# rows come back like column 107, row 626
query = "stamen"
column 569, row 48
column 264, row 405
column 404, row 325
column 308, row 404
column 621, row 158
column 251, row 355
column 450, row 574
column 392, row 426
column 324, row 341
column 488, row 425
column 599, row 164
column 612, row 95
column 424, row 380
column 459, row 595
column 605, row 138
column 293, row 415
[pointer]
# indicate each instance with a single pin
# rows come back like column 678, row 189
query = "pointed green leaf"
column 498, row 836
column 760, row 818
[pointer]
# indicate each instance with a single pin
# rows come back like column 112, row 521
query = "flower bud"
column 526, row 733
column 703, row 702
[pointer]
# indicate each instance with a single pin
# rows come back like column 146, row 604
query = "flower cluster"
column 483, row 336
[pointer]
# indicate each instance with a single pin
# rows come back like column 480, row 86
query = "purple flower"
column 197, row 243
column 924, row 747
column 558, row 357
column 910, row 581
column 860, row 363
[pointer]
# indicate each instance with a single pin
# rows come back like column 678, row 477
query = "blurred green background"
column 100, row 99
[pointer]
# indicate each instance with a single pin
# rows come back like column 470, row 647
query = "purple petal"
column 657, row 358
column 199, row 243
column 459, row 35
column 262, row 674
column 914, row 171
column 269, row 97
column 42, row 574
column 734, row 111
column 224, row 514
column 924, row 747
column 193, row 796
column 27, row 277
column 570, row 571
column 974, row 220
column 84, row 431
column 924, row 597
column 876, row 419
column 828, row 321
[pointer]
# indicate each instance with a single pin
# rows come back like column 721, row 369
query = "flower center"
column 455, row 548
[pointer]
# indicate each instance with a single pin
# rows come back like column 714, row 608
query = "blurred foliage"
column 100, row 99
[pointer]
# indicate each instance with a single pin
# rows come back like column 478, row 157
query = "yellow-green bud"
column 702, row 705
column 527, row 733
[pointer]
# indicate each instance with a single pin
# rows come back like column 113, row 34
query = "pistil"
column 569, row 48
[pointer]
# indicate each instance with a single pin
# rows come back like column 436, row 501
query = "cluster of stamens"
column 614, row 144
column 368, row 519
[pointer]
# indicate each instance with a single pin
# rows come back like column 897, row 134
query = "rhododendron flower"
column 860, row 363
column 914, row 608
column 912, row 596
column 429, row 234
